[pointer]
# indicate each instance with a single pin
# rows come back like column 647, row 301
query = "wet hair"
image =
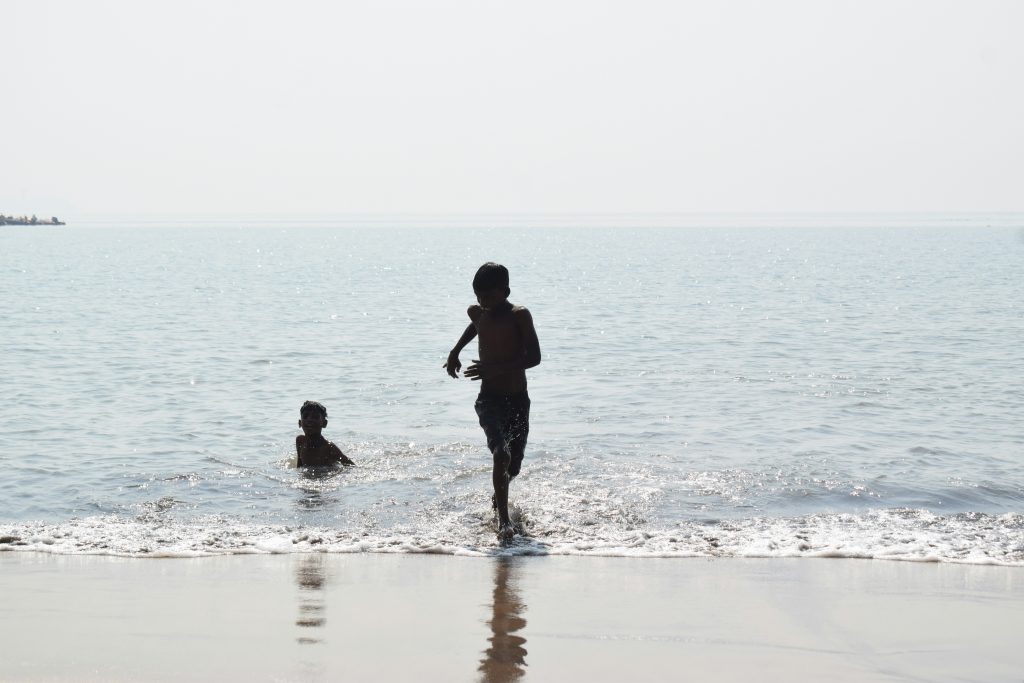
column 313, row 405
column 490, row 275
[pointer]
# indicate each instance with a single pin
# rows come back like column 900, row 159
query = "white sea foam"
column 910, row 535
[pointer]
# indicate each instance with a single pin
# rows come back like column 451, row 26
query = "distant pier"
column 29, row 220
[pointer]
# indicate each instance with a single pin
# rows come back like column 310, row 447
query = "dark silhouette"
column 505, row 660
column 311, row 579
column 508, row 347
column 311, row 448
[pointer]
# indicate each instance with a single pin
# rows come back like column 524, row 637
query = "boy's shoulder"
column 521, row 314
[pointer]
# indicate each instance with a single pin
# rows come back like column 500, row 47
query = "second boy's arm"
column 338, row 455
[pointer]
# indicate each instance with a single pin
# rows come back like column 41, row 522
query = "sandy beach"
column 437, row 618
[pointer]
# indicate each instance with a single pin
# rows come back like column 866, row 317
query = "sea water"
column 842, row 386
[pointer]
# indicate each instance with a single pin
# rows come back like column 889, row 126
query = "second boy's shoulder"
column 303, row 440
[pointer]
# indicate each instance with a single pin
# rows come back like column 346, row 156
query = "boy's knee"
column 502, row 458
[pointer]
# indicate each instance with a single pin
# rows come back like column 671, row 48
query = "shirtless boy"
column 312, row 449
column 508, row 346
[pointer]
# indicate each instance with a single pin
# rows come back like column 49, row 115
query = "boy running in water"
column 508, row 346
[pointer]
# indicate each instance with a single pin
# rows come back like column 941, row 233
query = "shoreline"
column 895, row 535
column 429, row 617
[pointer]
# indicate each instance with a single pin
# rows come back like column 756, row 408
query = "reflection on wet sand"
column 310, row 577
column 505, row 659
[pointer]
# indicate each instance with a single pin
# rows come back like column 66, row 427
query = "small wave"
column 899, row 534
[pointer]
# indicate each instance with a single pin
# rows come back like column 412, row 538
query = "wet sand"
column 442, row 618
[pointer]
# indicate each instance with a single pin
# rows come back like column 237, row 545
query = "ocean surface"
column 813, row 386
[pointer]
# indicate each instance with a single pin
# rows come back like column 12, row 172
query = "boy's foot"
column 506, row 532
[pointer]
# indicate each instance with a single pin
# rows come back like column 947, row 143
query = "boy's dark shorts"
column 506, row 422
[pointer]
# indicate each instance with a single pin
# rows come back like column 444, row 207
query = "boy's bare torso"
column 318, row 452
column 500, row 340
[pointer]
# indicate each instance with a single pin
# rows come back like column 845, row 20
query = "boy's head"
column 490, row 284
column 313, row 416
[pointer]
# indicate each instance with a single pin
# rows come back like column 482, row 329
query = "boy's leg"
column 493, row 418
column 517, row 430
column 506, row 422
column 500, row 479
column 515, row 452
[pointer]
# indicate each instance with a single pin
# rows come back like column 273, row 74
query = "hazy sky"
column 480, row 106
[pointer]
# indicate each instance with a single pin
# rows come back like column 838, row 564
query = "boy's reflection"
column 505, row 659
column 317, row 487
column 310, row 577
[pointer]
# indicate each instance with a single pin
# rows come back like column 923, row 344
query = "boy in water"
column 312, row 449
column 508, row 346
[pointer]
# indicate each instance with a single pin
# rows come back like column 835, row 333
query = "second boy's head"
column 313, row 417
column 490, row 284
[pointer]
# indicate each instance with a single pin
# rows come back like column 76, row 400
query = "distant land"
column 27, row 220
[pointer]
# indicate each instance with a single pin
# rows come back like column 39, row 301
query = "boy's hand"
column 478, row 371
column 453, row 365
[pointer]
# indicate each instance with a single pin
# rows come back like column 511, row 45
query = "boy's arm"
column 298, row 450
column 338, row 455
column 531, row 344
column 454, row 364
